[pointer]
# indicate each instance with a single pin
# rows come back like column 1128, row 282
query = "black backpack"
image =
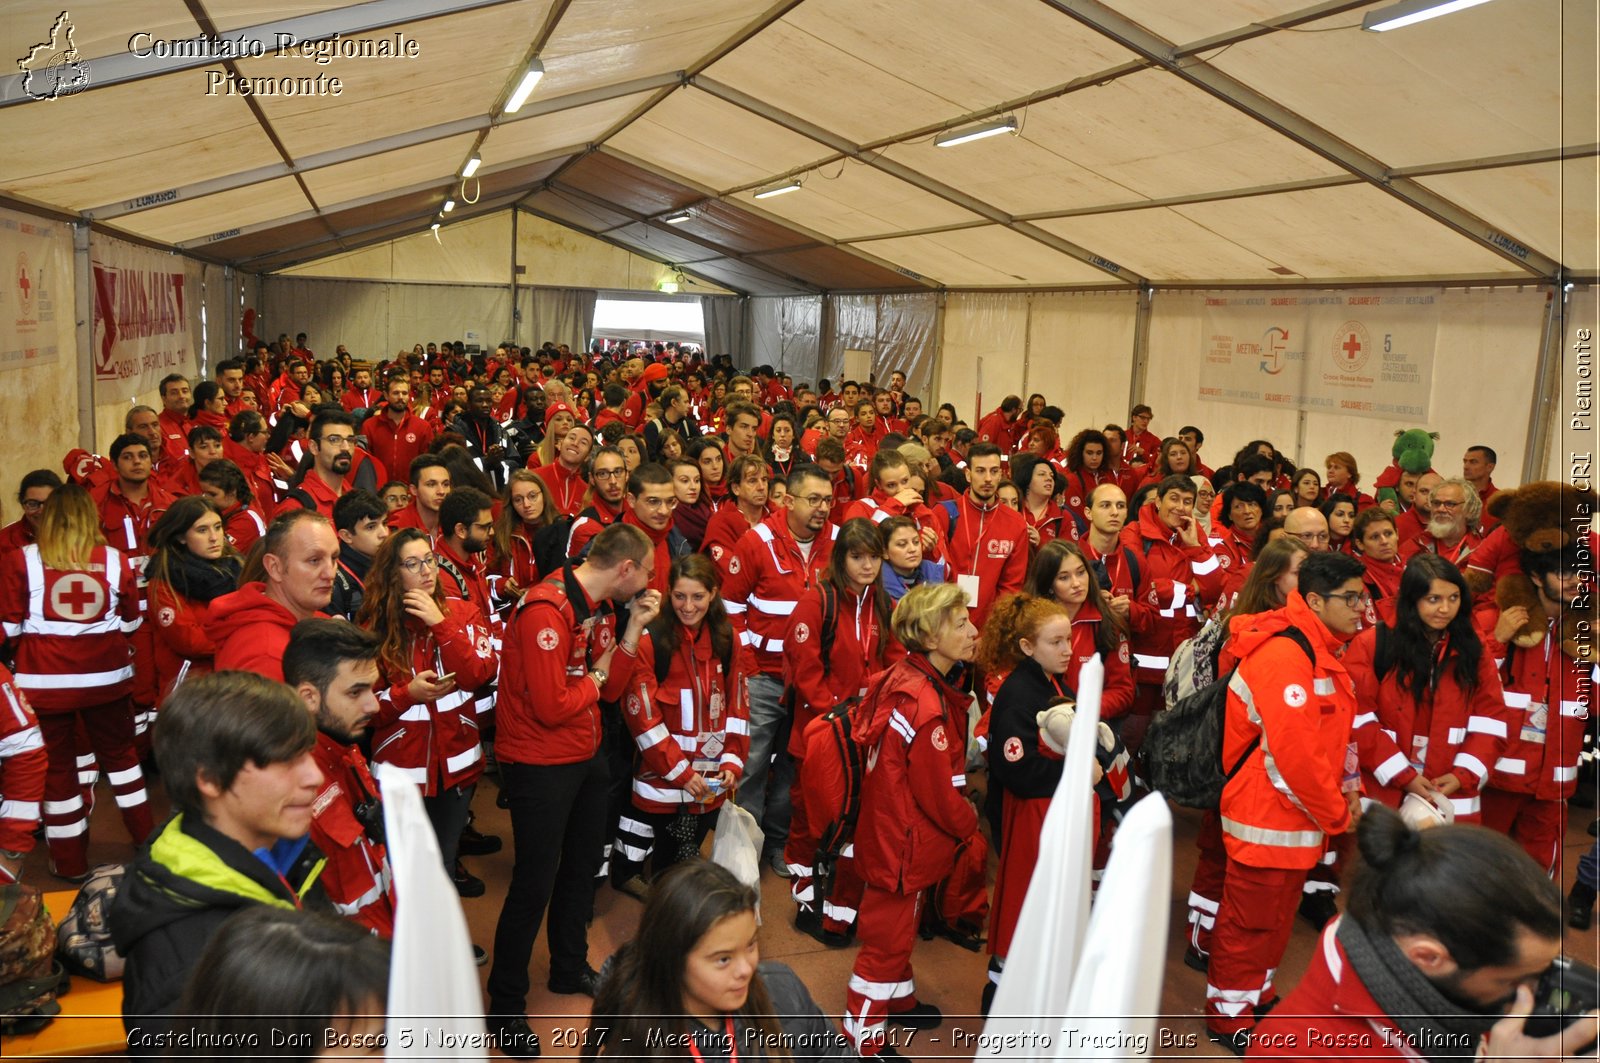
column 1183, row 748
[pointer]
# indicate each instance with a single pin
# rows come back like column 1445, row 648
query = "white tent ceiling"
column 1225, row 142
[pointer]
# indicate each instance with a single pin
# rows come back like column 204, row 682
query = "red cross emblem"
column 77, row 596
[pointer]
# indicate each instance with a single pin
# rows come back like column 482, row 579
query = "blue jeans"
column 768, row 770
column 1589, row 866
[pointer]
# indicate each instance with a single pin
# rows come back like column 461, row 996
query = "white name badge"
column 969, row 587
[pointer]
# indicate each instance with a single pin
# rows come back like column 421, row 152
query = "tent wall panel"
column 984, row 351
column 331, row 312
column 220, row 344
column 1080, row 355
column 901, row 331
column 783, row 332
column 725, row 320
column 559, row 315
column 472, row 252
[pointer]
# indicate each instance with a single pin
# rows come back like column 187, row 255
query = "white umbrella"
column 1117, row 994
column 435, row 1006
column 1038, row 975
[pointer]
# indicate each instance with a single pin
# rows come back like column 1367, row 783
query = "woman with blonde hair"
column 915, row 818
column 69, row 603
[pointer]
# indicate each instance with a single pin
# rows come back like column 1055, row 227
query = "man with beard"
column 466, row 520
column 333, row 440
column 1445, row 933
column 394, row 434
column 1449, row 532
column 608, row 480
column 333, row 666
column 988, row 546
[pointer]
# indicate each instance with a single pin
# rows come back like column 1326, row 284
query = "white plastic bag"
column 737, row 845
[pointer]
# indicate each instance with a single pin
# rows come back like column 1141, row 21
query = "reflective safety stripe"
column 901, row 725
column 415, row 714
column 1517, row 700
column 464, row 760
column 772, row 606
column 633, row 853
column 67, row 830
column 769, row 645
column 1288, row 839
column 958, row 781
column 733, row 607
column 77, row 680
column 677, row 771
column 839, row 912
column 19, row 810
column 453, row 700
column 122, row 778
column 138, row 797
column 635, row 827
column 61, row 808
column 1204, row 568
column 881, row 990
column 1322, row 685
column 1141, row 660
column 1386, row 771
column 673, row 796
column 1363, row 720
column 687, row 743
column 1472, row 764
column 362, row 901
column 658, row 733
column 1204, row 904
column 67, row 628
column 1486, row 725
column 1240, row 689
column 731, row 761
column 1579, row 709
column 1457, row 735
column 1466, row 806
column 849, row 850
column 1511, row 765
column 737, row 725
column 1565, row 774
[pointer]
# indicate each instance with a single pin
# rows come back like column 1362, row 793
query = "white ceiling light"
column 975, row 132
column 449, row 205
column 530, row 81
column 1410, row 12
column 472, row 166
column 788, row 184
column 679, row 218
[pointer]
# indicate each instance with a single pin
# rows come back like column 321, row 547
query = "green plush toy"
column 1413, row 453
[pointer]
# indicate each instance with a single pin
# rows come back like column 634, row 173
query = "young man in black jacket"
column 235, row 751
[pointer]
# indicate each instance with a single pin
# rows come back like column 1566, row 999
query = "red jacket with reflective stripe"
column 1172, row 576
column 436, row 742
column 70, row 628
column 183, row 647
column 1277, row 809
column 857, row 641
column 696, row 720
column 1448, row 729
column 1541, row 756
column 992, row 544
column 357, row 876
column 766, row 578
column 395, row 445
column 23, row 764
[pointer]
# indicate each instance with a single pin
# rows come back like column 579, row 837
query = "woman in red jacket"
column 191, row 565
column 69, row 603
column 1434, row 719
column 852, row 597
column 707, row 453
column 435, row 654
column 915, row 815
column 1377, row 544
column 522, row 549
column 686, row 708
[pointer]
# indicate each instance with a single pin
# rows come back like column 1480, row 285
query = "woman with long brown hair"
column 69, row 603
column 434, row 653
column 191, row 565
column 523, row 551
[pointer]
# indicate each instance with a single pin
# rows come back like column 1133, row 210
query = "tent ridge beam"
column 1248, row 101
column 912, row 177
column 353, row 152
column 1495, row 162
column 122, row 67
column 634, row 251
column 336, row 243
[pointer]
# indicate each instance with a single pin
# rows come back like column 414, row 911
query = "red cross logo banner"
column 77, row 596
column 1352, row 346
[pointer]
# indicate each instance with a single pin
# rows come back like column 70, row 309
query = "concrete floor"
column 946, row 974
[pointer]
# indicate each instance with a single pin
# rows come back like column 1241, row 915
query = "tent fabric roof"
column 1234, row 142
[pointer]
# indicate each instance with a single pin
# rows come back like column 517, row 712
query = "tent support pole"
column 1546, row 383
column 1141, row 346
column 514, row 213
column 1301, row 420
column 935, row 390
column 83, row 300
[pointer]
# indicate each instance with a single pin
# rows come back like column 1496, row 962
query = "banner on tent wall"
column 141, row 318
column 38, row 260
column 1366, row 353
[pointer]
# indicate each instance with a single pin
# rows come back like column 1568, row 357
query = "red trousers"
column 109, row 730
column 881, row 982
column 840, row 906
column 1210, row 877
column 1254, row 922
column 962, row 899
column 1538, row 826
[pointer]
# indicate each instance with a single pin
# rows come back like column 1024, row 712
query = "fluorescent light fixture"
column 670, row 286
column 472, row 166
column 677, row 219
column 1410, row 12
column 975, row 132
column 788, row 184
column 530, row 81
column 449, row 205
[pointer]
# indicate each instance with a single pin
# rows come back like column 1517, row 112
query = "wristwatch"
column 600, row 675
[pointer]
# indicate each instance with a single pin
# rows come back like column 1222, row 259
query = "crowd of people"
column 629, row 585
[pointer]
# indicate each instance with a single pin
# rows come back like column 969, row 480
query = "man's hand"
column 1508, row 1042
column 1510, row 622
column 1033, row 535
column 645, row 608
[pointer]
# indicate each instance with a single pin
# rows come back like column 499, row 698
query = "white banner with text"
column 36, row 300
column 143, row 304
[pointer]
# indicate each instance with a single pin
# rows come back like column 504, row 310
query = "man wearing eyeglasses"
column 332, row 440
column 35, row 489
column 1450, row 529
column 1287, row 728
column 608, row 479
column 1309, row 526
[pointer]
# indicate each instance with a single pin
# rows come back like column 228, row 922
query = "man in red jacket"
column 23, row 767
column 773, row 564
column 1004, row 426
column 175, row 403
column 1446, row 931
column 556, row 670
column 394, row 434
column 251, row 626
column 1287, row 726
column 988, row 547
column 1143, row 446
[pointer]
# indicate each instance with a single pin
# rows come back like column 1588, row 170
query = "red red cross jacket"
column 1172, row 576
column 127, row 523
column 436, row 742
column 723, row 532
column 914, row 810
column 356, row 876
column 1448, row 729
column 1547, row 696
column 463, row 577
column 1078, row 486
column 766, row 577
column 251, row 631
column 568, row 489
column 243, row 526
column 597, row 516
column 696, row 720
column 70, row 628
column 879, row 507
column 183, row 647
column 991, row 544
column 549, row 712
column 23, row 765
column 395, row 445
column 858, row 641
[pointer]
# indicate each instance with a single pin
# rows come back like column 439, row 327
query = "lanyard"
column 975, row 540
column 733, row 1048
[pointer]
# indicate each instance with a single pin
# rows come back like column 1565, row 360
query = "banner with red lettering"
column 36, row 297
column 146, row 309
column 1363, row 352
